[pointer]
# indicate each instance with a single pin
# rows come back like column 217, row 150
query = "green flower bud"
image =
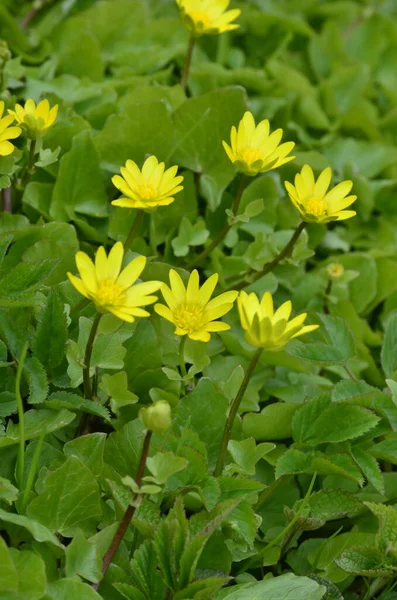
column 157, row 417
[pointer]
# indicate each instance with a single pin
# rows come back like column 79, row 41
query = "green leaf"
column 37, row 422
column 38, row 531
column 246, row 454
column 61, row 400
column 278, row 588
column 123, row 448
column 31, row 573
column 116, row 386
column 8, row 492
column 307, row 415
column 386, row 450
column 83, row 559
column 189, row 235
column 164, row 465
column 37, row 379
column 370, row 468
column 387, row 517
column 79, row 187
column 367, row 561
column 51, row 333
column 89, row 449
column 65, row 589
column 274, row 422
column 70, row 500
column 328, row 504
column 24, row 279
column 389, row 347
column 8, row 571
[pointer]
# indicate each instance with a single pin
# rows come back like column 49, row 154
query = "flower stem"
column 222, row 234
column 7, row 200
column 129, row 513
column 87, row 357
column 134, row 229
column 285, row 252
column 32, row 472
column 21, row 416
column 233, row 412
column 182, row 356
column 188, row 60
column 30, row 166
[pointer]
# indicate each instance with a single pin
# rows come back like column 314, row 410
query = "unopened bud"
column 157, row 417
column 335, row 270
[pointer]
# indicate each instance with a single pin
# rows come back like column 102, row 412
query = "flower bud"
column 157, row 417
column 335, row 270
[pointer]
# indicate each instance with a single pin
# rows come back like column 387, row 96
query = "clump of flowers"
column 313, row 200
column 253, row 149
column 265, row 328
column 148, row 188
column 36, row 120
column 190, row 308
column 7, row 132
column 112, row 289
column 203, row 17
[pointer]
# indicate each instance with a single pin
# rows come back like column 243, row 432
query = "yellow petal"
column 164, row 312
column 200, row 336
column 115, row 260
column 322, row 183
column 101, row 264
column 225, row 298
column 86, row 269
column 283, row 312
column 207, row 289
column 131, row 272
column 308, row 178
column 217, row 326
column 78, row 284
column 267, row 305
column 149, row 166
column 177, row 286
column 192, row 291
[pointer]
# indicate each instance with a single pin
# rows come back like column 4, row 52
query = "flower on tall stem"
column 203, row 17
column 149, row 188
column 112, row 289
column 253, row 149
column 36, row 120
column 265, row 328
column 7, row 132
column 313, row 200
column 191, row 310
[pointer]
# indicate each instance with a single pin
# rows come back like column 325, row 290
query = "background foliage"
column 306, row 507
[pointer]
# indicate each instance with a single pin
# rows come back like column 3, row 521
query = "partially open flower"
column 208, row 16
column 313, row 200
column 148, row 188
column 191, row 310
column 111, row 290
column 36, row 120
column 7, row 133
column 254, row 149
column 265, row 328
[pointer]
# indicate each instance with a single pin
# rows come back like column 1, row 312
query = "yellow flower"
column 110, row 290
column 314, row 202
column 253, row 150
column 208, row 16
column 335, row 270
column 149, row 188
column 265, row 328
column 35, row 119
column 191, row 310
column 7, row 133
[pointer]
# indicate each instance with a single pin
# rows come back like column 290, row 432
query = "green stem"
column 134, row 229
column 30, row 166
column 32, row 472
column 87, row 357
column 182, row 355
column 21, row 416
column 129, row 513
column 233, row 412
column 188, row 60
column 225, row 229
column 285, row 252
column 79, row 306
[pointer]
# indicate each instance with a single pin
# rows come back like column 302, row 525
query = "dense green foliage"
column 306, row 507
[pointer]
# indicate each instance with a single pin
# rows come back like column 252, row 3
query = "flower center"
column 200, row 17
column 251, row 155
column 108, row 293
column 189, row 317
column 316, row 206
column 147, row 191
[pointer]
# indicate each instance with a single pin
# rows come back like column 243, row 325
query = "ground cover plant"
column 198, row 300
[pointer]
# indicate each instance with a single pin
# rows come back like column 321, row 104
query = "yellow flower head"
column 110, row 290
column 191, row 310
column 314, row 202
column 7, row 132
column 253, row 150
column 36, row 120
column 335, row 270
column 208, row 16
column 265, row 328
column 149, row 188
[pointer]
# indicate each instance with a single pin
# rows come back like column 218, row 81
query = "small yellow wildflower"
column 203, row 17
column 7, row 133
column 191, row 310
column 335, row 270
column 314, row 202
column 149, row 188
column 110, row 290
column 253, row 150
column 36, row 120
column 265, row 328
